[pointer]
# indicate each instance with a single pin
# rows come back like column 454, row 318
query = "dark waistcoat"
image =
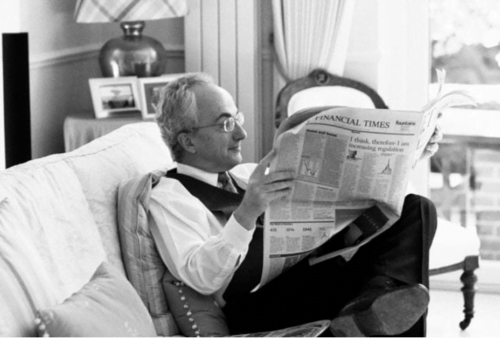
column 224, row 203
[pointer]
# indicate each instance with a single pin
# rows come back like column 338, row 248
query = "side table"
column 82, row 128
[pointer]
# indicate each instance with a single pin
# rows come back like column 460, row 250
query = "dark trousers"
column 308, row 293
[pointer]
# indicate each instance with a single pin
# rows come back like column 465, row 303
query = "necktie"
column 225, row 182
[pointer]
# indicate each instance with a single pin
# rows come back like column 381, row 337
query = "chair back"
column 321, row 88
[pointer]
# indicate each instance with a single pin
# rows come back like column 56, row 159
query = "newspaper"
column 309, row 330
column 351, row 165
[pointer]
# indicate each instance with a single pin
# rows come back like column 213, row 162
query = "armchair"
column 454, row 247
column 318, row 88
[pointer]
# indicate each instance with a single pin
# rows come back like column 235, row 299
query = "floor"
column 446, row 311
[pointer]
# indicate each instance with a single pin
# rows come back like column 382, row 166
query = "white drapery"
column 311, row 33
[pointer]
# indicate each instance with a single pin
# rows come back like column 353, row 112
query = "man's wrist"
column 245, row 220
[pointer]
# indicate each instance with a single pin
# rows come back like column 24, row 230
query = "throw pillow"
column 107, row 306
column 143, row 264
column 197, row 315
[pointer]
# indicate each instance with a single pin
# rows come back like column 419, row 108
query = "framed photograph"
column 114, row 96
column 149, row 91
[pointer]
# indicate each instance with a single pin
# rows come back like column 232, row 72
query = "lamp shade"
column 94, row 11
column 132, row 54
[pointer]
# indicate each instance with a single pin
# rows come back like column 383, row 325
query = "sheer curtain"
column 310, row 34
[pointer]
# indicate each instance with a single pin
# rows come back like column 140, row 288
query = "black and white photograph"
column 250, row 168
column 114, row 95
column 149, row 91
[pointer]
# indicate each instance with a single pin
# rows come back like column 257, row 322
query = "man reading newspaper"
column 209, row 212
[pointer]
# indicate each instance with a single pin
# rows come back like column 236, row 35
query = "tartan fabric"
column 91, row 11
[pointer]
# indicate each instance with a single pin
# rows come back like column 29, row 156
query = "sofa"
column 62, row 254
column 58, row 224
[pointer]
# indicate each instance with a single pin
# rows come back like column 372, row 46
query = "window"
column 465, row 41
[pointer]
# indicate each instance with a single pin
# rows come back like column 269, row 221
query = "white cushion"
column 328, row 96
column 104, row 163
column 452, row 243
column 58, row 220
column 49, row 243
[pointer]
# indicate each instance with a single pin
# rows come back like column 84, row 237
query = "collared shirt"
column 202, row 251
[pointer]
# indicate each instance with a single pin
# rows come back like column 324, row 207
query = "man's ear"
column 186, row 142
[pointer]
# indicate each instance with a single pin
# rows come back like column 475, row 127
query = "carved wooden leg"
column 469, row 279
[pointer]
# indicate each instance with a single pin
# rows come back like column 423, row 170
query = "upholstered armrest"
column 452, row 244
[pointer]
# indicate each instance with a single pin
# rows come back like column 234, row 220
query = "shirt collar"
column 209, row 178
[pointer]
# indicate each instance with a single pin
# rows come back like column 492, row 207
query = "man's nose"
column 239, row 132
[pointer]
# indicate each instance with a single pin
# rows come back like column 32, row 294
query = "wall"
column 222, row 38
column 363, row 53
column 389, row 50
column 268, row 74
column 63, row 56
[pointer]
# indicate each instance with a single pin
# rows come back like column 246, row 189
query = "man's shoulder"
column 167, row 186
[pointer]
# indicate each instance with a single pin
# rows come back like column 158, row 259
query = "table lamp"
column 132, row 54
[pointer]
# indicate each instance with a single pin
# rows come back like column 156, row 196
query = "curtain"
column 309, row 34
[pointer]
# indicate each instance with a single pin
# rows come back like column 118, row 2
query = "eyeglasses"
column 229, row 123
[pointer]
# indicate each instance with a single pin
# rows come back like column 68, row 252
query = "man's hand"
column 262, row 189
column 432, row 146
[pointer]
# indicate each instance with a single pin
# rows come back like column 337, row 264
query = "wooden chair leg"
column 469, row 280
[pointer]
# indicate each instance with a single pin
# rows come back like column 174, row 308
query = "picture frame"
column 114, row 96
column 149, row 92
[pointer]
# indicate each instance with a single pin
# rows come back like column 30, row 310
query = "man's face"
column 216, row 150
